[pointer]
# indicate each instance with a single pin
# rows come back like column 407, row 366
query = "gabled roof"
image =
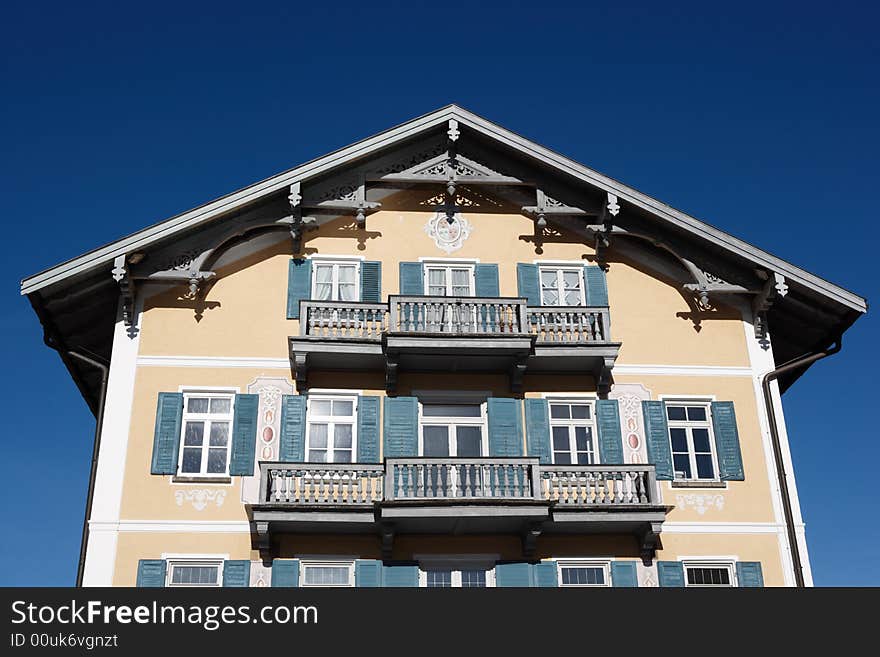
column 104, row 256
column 76, row 300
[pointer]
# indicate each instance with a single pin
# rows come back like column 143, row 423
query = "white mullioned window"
column 456, row 574
column 331, row 430
column 584, row 573
column 321, row 573
column 194, row 572
column 335, row 280
column 206, row 434
column 449, row 279
column 449, row 429
column 691, row 440
column 562, row 286
column 573, row 432
column 715, row 574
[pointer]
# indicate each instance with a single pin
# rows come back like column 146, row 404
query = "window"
column 207, row 426
column 452, row 430
column 456, row 578
column 709, row 574
column 573, row 429
column 583, row 573
column 562, row 286
column 195, row 573
column 330, row 436
column 335, row 281
column 690, row 436
column 453, row 280
column 327, row 573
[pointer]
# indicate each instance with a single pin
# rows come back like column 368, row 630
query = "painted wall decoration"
column 448, row 237
column 700, row 502
column 629, row 397
column 200, row 497
column 270, row 389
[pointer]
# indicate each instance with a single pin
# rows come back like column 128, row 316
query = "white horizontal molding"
column 683, row 370
column 722, row 528
column 179, row 526
column 214, row 361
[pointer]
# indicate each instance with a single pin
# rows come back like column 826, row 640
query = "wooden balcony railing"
column 454, row 316
column 456, row 479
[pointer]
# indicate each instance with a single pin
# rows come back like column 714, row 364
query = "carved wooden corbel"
column 301, row 371
column 123, row 278
column 530, row 540
column 774, row 287
column 649, row 541
column 391, row 367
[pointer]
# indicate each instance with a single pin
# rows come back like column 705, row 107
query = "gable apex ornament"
column 448, row 236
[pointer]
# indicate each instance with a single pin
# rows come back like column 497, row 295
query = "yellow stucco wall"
column 244, row 316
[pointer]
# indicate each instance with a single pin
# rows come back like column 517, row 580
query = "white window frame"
column 456, row 564
column 305, row 564
column 330, row 421
column 560, row 290
column 336, row 262
column 208, row 419
column 604, row 564
column 688, row 426
column 481, row 421
column 570, row 423
column 728, row 564
column 176, row 562
column 449, row 265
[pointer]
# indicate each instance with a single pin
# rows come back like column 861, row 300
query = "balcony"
column 453, row 334
column 459, row 496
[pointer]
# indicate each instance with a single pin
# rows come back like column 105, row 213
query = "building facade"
column 442, row 356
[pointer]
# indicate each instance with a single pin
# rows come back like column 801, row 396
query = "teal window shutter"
column 527, row 284
column 608, row 425
column 244, row 434
column 513, row 575
column 368, row 429
column 401, row 426
column 151, row 573
column 412, row 278
column 670, row 573
column 730, row 463
column 544, row 574
column 368, row 573
column 505, row 426
column 538, row 429
column 400, row 576
column 623, row 574
column 285, row 572
column 166, row 436
column 299, row 285
column 657, row 435
column 749, row 575
column 371, row 281
column 291, row 442
column 486, row 281
column 236, row 573
column 596, row 286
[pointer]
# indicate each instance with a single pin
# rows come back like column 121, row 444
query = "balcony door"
column 450, row 280
column 453, row 431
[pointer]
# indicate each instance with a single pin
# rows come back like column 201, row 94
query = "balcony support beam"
column 386, row 533
column 530, row 540
column 649, row 541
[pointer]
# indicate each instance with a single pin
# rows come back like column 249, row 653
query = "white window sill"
column 201, row 479
column 697, row 483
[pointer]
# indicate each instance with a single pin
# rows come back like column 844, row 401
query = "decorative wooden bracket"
column 649, row 541
column 125, row 281
column 774, row 287
column 603, row 379
column 386, row 534
column 391, row 367
column 546, row 205
column 301, row 371
column 517, row 372
column 262, row 538
column 530, row 540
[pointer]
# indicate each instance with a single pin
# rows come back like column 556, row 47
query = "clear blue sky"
column 759, row 118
